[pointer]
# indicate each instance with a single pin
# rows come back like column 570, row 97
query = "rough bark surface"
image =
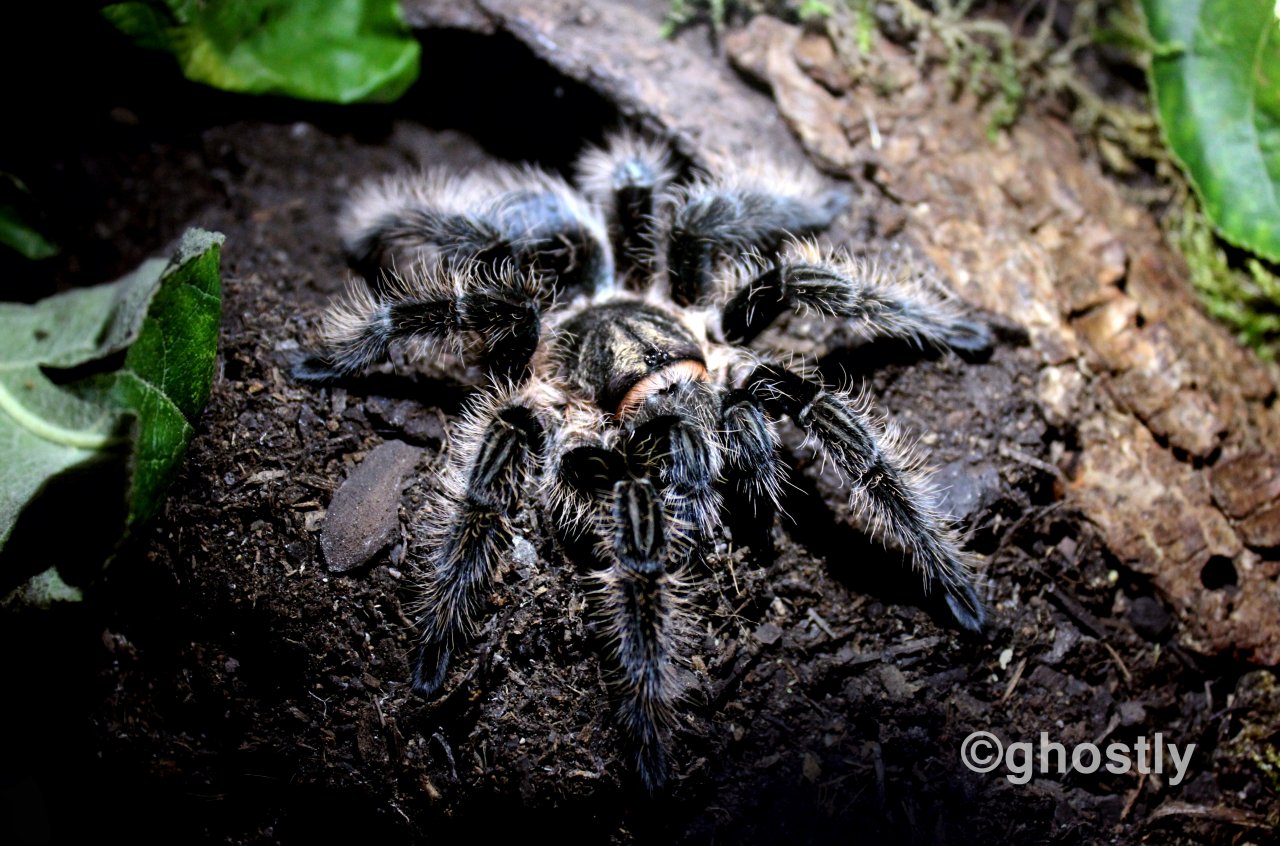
column 1166, row 408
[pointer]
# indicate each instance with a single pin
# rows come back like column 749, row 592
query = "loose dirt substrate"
column 224, row 685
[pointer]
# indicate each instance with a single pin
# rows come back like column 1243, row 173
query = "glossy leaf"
column 341, row 51
column 1216, row 78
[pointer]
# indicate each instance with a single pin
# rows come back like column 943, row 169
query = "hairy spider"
column 623, row 400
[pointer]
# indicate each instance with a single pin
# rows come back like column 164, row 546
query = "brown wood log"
column 1173, row 443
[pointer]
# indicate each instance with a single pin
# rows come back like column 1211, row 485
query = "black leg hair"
column 471, row 530
column 580, row 470
column 805, row 278
column 752, row 470
column 636, row 596
column 556, row 238
column 583, row 477
column 751, row 448
column 423, row 232
column 626, row 178
column 752, row 211
column 500, row 308
column 637, row 605
column 504, row 312
column 671, row 436
column 885, row 483
column 519, row 215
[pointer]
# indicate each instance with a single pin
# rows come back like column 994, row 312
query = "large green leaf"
column 341, row 51
column 98, row 377
column 168, row 370
column 1216, row 77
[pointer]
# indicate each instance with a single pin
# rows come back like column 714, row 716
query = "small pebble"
column 363, row 517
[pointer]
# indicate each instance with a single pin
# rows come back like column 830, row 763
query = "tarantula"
column 623, row 401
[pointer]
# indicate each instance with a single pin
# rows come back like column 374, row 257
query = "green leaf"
column 341, row 51
column 1216, row 77
column 16, row 229
column 22, row 236
column 168, row 371
column 42, row 591
column 60, row 428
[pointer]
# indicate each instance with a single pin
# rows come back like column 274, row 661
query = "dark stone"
column 1149, row 618
column 363, row 516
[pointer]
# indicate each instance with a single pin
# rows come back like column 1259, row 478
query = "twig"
column 1013, row 681
column 1115, row 656
column 821, row 623
column 1031, row 461
column 1220, row 813
column 1133, row 797
column 1077, row 612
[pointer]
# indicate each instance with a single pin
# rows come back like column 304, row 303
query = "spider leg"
column 752, row 470
column 403, row 220
column 469, row 530
column 637, row 607
column 673, row 436
column 836, row 286
column 552, row 233
column 519, row 215
column 885, row 483
column 436, row 304
column 626, row 178
column 754, row 210
column 635, row 599
column 751, row 448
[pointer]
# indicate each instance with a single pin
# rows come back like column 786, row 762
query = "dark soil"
column 222, row 685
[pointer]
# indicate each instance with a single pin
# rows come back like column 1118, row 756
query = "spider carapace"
column 631, row 390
